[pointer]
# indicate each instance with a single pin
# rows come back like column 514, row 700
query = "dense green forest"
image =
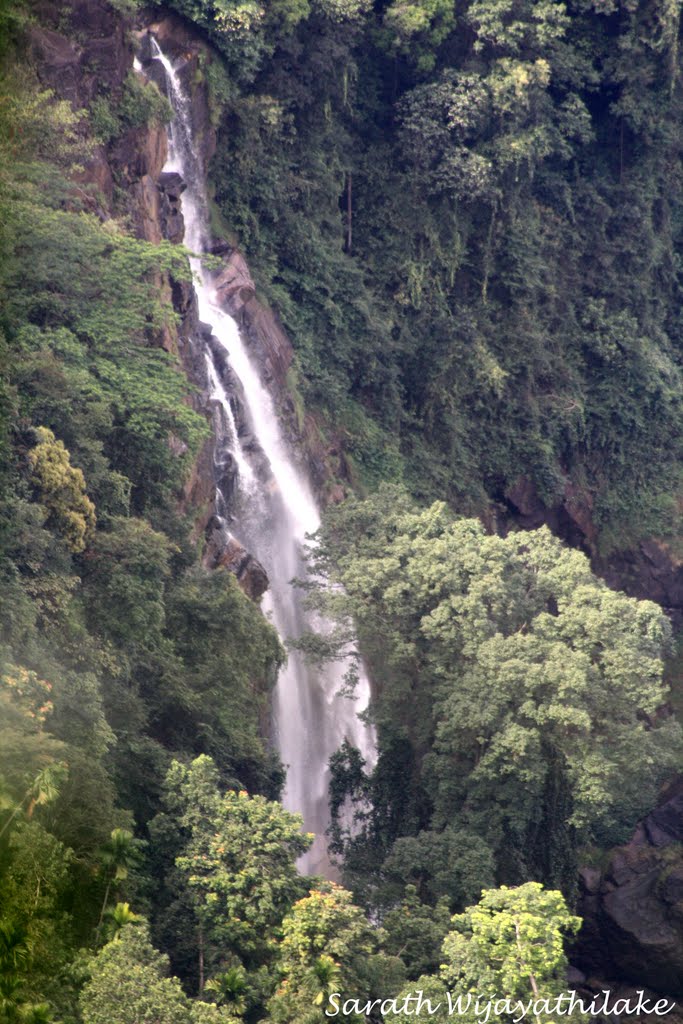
column 467, row 216
column 507, row 301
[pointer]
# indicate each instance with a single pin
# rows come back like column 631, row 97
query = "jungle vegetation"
column 468, row 216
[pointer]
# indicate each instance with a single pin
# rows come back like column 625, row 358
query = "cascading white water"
column 311, row 719
column 226, row 429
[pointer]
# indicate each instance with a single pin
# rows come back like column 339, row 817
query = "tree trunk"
column 104, row 907
column 201, row 960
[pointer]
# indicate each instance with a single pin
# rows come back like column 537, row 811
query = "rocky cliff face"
column 97, row 58
column 129, row 171
column 633, row 909
column 650, row 569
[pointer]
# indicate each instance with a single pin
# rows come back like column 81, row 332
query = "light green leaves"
column 510, row 945
column 129, row 983
column 239, row 862
column 61, row 488
column 535, row 691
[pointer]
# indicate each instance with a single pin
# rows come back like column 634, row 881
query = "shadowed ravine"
column 271, row 513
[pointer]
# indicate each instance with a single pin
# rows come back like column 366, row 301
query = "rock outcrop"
column 633, row 910
column 76, row 68
column 183, row 44
column 647, row 570
column 95, row 63
column 171, row 187
column 224, row 550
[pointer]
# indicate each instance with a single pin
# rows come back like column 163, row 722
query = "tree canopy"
column 468, row 220
column 530, row 694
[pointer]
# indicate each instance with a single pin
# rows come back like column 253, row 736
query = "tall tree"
column 505, row 956
column 329, row 946
column 538, row 712
column 235, row 867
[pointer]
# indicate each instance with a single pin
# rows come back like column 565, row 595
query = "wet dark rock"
column 633, row 911
column 184, row 46
column 145, row 48
column 226, row 475
column 233, row 283
column 224, row 550
column 183, row 296
column 58, row 60
column 270, row 346
column 76, row 69
column 140, row 152
column 172, row 184
column 97, row 64
column 647, row 570
column 261, row 329
column 171, row 187
column 664, row 825
column 219, row 247
column 234, row 392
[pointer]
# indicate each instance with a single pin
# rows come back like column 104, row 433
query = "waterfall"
column 271, row 515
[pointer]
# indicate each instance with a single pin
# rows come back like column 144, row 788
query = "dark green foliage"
column 328, row 945
column 506, row 303
column 140, row 104
column 415, row 932
column 129, row 980
column 230, row 658
column 229, row 873
column 507, row 947
column 118, row 650
column 468, row 218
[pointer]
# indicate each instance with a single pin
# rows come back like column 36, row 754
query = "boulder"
column 76, row 71
column 268, row 342
column 633, row 910
column 171, row 187
column 58, row 60
column 649, row 569
column 234, row 284
column 140, row 152
column 224, row 550
column 664, row 825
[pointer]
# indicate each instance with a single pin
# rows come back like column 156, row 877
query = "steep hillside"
column 450, row 236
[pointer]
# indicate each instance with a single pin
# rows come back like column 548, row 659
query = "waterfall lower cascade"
column 274, row 511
